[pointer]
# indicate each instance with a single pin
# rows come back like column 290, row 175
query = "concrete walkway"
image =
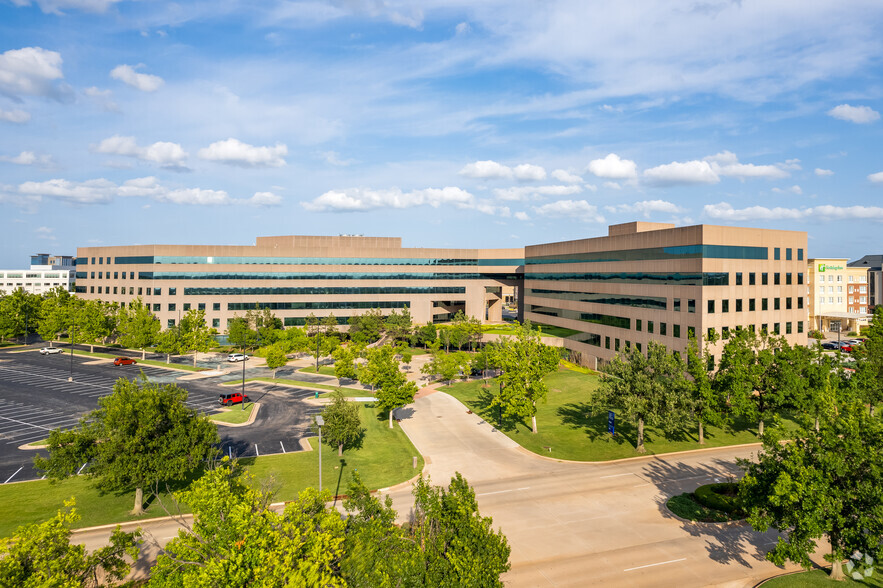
column 579, row 524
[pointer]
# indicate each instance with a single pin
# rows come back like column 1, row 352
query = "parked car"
column 829, row 345
column 237, row 357
column 845, row 347
column 233, row 398
column 124, row 361
column 51, row 350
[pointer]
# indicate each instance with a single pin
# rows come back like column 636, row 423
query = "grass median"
column 162, row 364
column 567, row 428
column 326, row 370
column 384, row 459
column 324, row 388
column 819, row 579
column 235, row 415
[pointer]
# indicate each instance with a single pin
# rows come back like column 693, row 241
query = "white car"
column 237, row 357
column 51, row 350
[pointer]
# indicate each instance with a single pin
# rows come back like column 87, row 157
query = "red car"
column 124, row 361
column 232, row 398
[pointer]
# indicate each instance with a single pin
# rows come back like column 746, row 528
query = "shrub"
column 816, row 335
column 852, row 334
column 721, row 496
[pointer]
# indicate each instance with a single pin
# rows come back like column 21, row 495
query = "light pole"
column 244, row 358
column 321, row 422
column 71, row 339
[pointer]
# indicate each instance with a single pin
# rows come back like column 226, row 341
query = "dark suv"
column 233, row 398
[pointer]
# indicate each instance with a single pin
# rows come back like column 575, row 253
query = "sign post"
column 611, row 422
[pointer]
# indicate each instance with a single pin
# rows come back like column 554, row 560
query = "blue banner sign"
column 611, row 422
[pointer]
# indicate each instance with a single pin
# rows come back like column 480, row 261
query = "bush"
column 816, row 335
column 852, row 334
column 721, row 497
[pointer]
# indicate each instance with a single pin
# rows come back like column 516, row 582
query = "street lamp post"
column 243, row 380
column 321, row 422
column 71, row 338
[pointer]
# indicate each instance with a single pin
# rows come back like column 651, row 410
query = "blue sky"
column 449, row 123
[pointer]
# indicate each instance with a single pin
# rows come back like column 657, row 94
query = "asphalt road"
column 37, row 397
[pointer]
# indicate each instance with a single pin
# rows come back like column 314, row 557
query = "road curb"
column 254, row 414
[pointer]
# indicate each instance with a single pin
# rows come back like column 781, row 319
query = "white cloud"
column 139, row 81
column 491, row 170
column 612, row 185
column 790, row 164
column 727, row 164
column 876, row 178
column 792, row 190
column 571, row 208
column 333, row 157
column 613, row 167
column 463, row 28
column 528, row 192
column 164, row 153
column 855, row 114
column 527, row 171
column 646, row 207
column 57, row 6
column 522, row 216
column 823, row 172
column 29, row 71
column 362, row 199
column 689, row 172
column 28, row 158
column 724, row 211
column 15, row 116
column 235, row 152
column 45, row 233
column 101, row 191
column 102, row 98
column 566, row 177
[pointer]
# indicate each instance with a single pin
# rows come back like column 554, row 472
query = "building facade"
column 296, row 276
column 654, row 281
column 838, row 295
column 873, row 265
column 46, row 273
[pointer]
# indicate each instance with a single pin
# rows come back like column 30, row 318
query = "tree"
column 235, row 540
column 41, row 555
column 366, row 327
column 399, row 325
column 427, row 334
column 707, row 401
column 276, row 358
column 344, row 364
column 869, row 365
column 138, row 326
column 195, row 333
column 445, row 365
column 322, row 345
column 240, row 334
column 54, row 311
column 393, row 387
column 525, row 361
column 19, row 312
column 171, row 342
column 649, row 389
column 826, row 483
column 343, row 426
column 97, row 320
column 819, row 386
column 140, row 436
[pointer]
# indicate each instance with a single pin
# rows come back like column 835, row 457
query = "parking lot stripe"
column 13, row 475
column 24, row 423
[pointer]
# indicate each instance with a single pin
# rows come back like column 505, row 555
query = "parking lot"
column 37, row 397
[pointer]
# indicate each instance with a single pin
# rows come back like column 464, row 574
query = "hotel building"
column 46, row 273
column 654, row 281
column 296, row 276
column 837, row 295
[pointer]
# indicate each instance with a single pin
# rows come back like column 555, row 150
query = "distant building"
column 837, row 295
column 295, row 276
column 873, row 265
column 47, row 272
column 656, row 282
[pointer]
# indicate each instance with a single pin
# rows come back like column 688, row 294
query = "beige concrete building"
column 837, row 295
column 46, row 273
column 653, row 281
column 295, row 276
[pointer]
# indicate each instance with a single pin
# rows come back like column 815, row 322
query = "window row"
column 711, row 305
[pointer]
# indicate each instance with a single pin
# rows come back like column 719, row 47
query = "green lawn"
column 819, row 578
column 566, row 425
column 328, row 370
column 686, row 507
column 348, row 392
column 236, row 415
column 162, row 364
column 383, row 460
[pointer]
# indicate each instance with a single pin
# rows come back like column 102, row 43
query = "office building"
column 657, row 282
column 296, row 276
column 837, row 295
column 46, row 273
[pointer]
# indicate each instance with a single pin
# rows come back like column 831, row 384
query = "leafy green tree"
column 329, row 326
column 97, row 320
column 818, row 393
column 41, row 555
column 19, row 313
column 427, row 334
column 140, row 436
column 171, row 342
column 822, row 484
column 195, row 334
column 399, row 325
column 240, row 334
column 343, row 426
column 236, row 541
column 651, row 389
column 707, row 401
column 322, row 345
column 393, row 387
column 276, row 358
column 366, row 327
column 869, row 364
column 525, row 361
column 138, row 326
column 54, row 312
column 444, row 365
column 344, row 364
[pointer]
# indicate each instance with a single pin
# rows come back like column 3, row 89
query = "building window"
column 777, row 254
column 787, row 278
column 216, row 323
column 637, row 324
column 738, row 278
column 638, row 347
column 725, row 305
column 788, row 254
column 216, row 306
column 93, row 261
column 99, row 289
column 751, row 306
column 131, row 290
column 93, row 275
column 676, row 304
column 788, row 328
column 764, row 279
column 100, row 260
column 751, row 279
column 663, row 329
column 616, row 344
column 799, row 326
column 172, row 306
column 606, row 342
column 91, row 289
column 114, row 289
column 777, row 279
column 157, row 291
column 676, row 330
column 691, row 305
column 800, row 255
column 764, row 304
column 201, row 306
column 691, row 332
column 799, row 278
column 710, row 306
column 709, row 332
column 777, row 303
column 776, row 328
column 139, row 290
column 839, row 278
column 173, row 291
column 840, row 289
column 649, row 326
column 116, row 275
column 171, row 323
column 850, row 278
column 100, row 275
column 788, row 303
column 738, row 305
column 186, row 306
column 725, row 332
column 156, row 308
